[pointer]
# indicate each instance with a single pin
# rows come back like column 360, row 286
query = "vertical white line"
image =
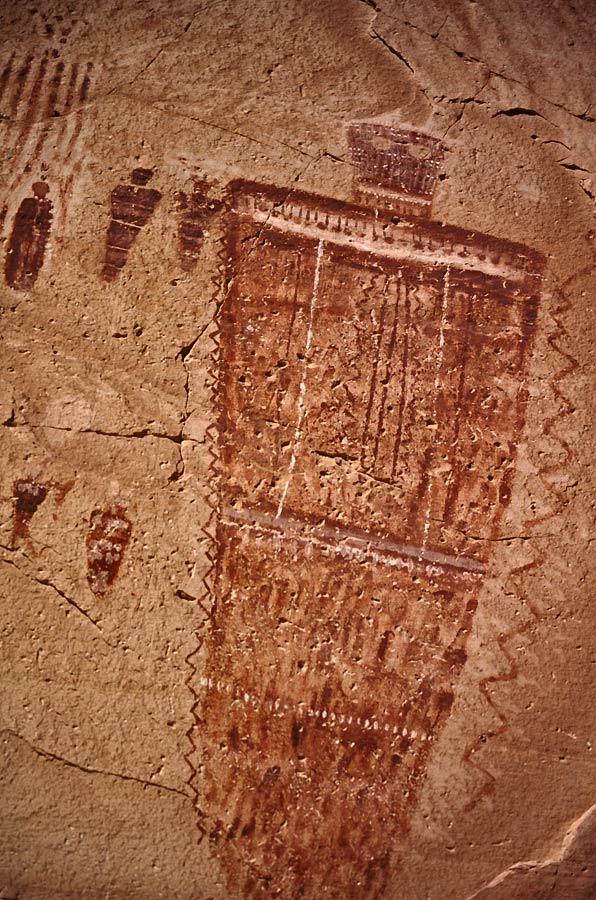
column 440, row 358
column 302, row 391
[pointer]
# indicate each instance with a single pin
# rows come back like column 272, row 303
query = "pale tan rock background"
column 104, row 385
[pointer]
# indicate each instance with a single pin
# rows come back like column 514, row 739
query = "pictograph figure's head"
column 40, row 189
column 397, row 168
column 141, row 176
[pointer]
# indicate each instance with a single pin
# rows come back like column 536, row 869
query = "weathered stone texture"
column 296, row 407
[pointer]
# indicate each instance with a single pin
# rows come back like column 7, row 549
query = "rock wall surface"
column 297, row 504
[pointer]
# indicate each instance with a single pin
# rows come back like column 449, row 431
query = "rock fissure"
column 45, row 582
column 88, row 770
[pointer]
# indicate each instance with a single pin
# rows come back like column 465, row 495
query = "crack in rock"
column 54, row 757
column 45, row 582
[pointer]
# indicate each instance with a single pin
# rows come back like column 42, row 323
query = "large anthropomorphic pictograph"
column 371, row 394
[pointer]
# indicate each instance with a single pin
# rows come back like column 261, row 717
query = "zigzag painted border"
column 547, row 475
column 219, row 281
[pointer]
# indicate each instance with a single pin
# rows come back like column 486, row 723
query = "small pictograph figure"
column 107, row 538
column 195, row 212
column 28, row 495
column 29, row 238
column 132, row 205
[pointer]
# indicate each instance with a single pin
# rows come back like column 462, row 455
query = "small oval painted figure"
column 107, row 539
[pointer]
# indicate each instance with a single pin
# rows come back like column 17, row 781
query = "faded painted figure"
column 371, row 394
column 107, row 539
column 195, row 210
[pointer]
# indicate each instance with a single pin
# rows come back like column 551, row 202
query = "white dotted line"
column 326, row 718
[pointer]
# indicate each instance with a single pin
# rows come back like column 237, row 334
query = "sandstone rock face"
column 297, row 496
